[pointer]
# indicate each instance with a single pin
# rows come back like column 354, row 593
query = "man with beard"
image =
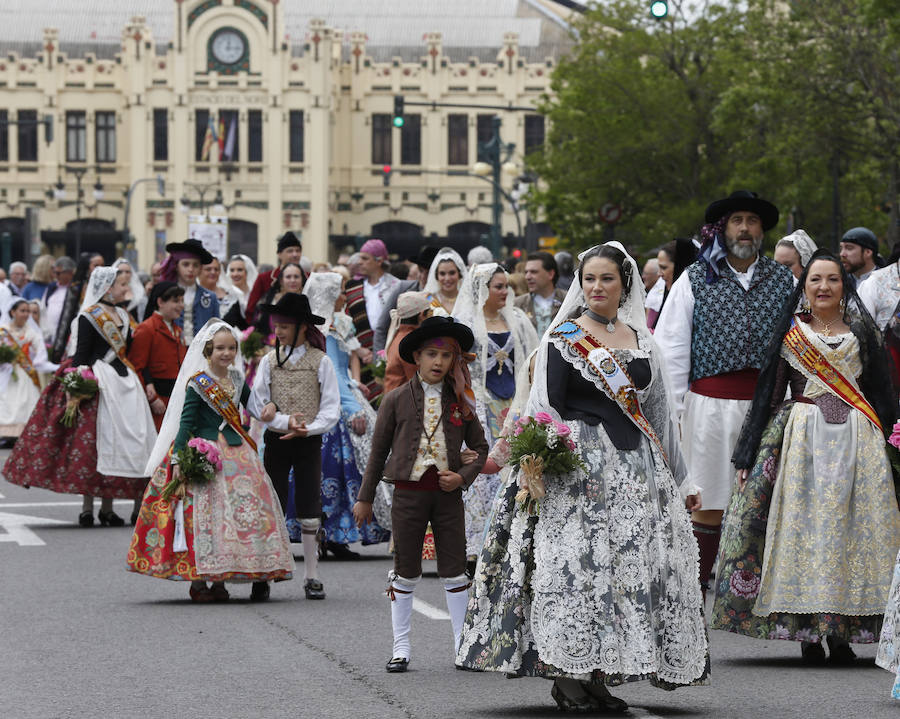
column 859, row 253
column 713, row 332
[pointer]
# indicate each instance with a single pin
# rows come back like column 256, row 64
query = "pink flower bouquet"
column 894, row 439
column 198, row 464
column 80, row 384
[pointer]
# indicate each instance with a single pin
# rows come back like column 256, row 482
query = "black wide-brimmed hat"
column 193, row 247
column 426, row 256
column 431, row 328
column 293, row 306
column 744, row 200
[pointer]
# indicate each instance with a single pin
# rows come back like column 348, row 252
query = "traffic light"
column 386, row 175
column 517, row 253
column 398, row 111
column 659, row 9
column 48, row 128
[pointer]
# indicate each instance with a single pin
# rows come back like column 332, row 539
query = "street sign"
column 546, row 243
column 610, row 213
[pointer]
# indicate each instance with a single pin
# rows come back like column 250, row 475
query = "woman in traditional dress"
column 230, row 529
column 291, row 279
column 504, row 336
column 600, row 587
column 445, row 277
column 809, row 541
column 20, row 385
column 674, row 258
column 104, row 454
column 346, row 447
column 135, row 301
column 240, row 275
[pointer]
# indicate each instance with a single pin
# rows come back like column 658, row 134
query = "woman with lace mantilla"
column 600, row 586
column 809, row 541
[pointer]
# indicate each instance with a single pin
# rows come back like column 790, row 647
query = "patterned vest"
column 733, row 326
column 295, row 388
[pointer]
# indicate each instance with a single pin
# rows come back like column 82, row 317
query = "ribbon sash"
column 816, row 364
column 610, row 377
column 22, row 358
column 105, row 325
column 220, row 402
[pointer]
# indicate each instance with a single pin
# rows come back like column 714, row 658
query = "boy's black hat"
column 294, row 306
column 435, row 327
column 193, row 247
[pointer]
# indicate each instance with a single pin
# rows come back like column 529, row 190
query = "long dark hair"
column 875, row 372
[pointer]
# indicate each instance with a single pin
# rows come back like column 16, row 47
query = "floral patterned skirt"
column 741, row 553
column 233, row 526
column 600, row 586
column 64, row 459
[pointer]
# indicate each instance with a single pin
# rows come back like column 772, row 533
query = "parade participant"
column 105, row 451
column 157, row 350
column 210, row 276
column 64, row 297
column 859, row 253
column 650, row 274
column 566, row 267
column 422, row 263
column 478, row 255
column 598, row 585
column 433, row 413
column 794, row 251
column 289, row 251
column 18, row 278
column 297, row 379
column 880, row 293
column 412, row 308
column 888, row 656
column 20, row 385
column 289, row 281
column 183, row 266
column 346, row 447
column 378, row 284
column 41, row 277
column 713, row 332
column 672, row 259
column 809, row 542
column 204, row 532
column 445, row 277
column 504, row 336
column 543, row 299
column 240, row 276
column 135, row 302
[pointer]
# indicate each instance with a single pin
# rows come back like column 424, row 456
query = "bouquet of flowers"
column 8, row 355
column 198, row 464
column 251, row 343
column 539, row 445
column 80, row 384
column 893, row 453
column 378, row 365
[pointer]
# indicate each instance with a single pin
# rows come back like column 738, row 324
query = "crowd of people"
column 727, row 423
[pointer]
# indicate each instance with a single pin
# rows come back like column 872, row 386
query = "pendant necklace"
column 610, row 323
column 826, row 325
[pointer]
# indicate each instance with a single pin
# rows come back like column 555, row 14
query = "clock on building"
column 228, row 46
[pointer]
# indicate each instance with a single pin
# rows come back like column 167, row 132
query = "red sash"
column 22, row 358
column 815, row 363
column 220, row 401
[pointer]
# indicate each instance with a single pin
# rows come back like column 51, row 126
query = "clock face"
column 228, row 47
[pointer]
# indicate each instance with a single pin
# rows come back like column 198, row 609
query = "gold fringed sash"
column 815, row 363
column 105, row 325
column 22, row 358
column 220, row 401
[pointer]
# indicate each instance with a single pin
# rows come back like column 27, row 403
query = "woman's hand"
column 358, row 425
column 693, row 502
column 157, row 406
column 742, row 475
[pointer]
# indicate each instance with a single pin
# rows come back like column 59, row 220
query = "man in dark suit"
column 543, row 299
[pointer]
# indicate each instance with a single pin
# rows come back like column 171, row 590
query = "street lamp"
column 59, row 193
column 495, row 154
column 201, row 189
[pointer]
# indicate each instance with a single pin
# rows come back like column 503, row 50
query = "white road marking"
column 21, row 505
column 423, row 607
column 17, row 530
column 637, row 711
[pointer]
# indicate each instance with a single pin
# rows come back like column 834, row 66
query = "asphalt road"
column 82, row 637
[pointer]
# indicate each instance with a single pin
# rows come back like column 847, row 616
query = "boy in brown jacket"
column 422, row 425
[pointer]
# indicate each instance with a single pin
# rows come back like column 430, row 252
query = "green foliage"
column 7, row 354
column 252, row 345
column 533, row 440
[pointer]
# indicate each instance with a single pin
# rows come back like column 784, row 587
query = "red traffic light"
column 386, row 169
column 517, row 253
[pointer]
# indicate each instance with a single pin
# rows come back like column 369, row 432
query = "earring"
column 804, row 305
column 843, row 305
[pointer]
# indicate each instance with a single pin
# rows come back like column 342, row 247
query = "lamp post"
column 60, row 193
column 495, row 154
column 201, row 189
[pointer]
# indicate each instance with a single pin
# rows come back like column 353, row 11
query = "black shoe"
column 110, row 519
column 471, row 565
column 841, row 655
column 86, row 519
column 397, row 665
column 134, row 517
column 259, row 592
column 314, row 589
column 342, row 552
column 813, row 653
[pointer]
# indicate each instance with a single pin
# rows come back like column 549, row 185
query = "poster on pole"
column 212, row 232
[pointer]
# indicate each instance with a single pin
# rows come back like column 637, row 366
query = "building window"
column 4, row 136
column 160, row 134
column 458, row 139
column 411, row 141
column 28, row 135
column 203, row 134
column 106, row 136
column 534, row 132
column 254, row 136
column 296, row 135
column 228, row 132
column 76, row 136
column 381, row 139
column 485, row 131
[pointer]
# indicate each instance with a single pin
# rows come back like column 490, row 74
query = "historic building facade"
column 265, row 114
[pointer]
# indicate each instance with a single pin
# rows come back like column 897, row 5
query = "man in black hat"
column 422, row 426
column 713, row 332
column 859, row 253
column 423, row 260
column 183, row 266
column 296, row 392
column 290, row 250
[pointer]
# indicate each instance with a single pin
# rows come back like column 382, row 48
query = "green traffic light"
column 398, row 122
column 659, row 9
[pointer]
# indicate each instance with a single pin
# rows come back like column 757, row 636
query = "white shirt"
column 880, row 294
column 675, row 327
column 55, row 304
column 374, row 300
column 655, row 295
column 329, row 395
